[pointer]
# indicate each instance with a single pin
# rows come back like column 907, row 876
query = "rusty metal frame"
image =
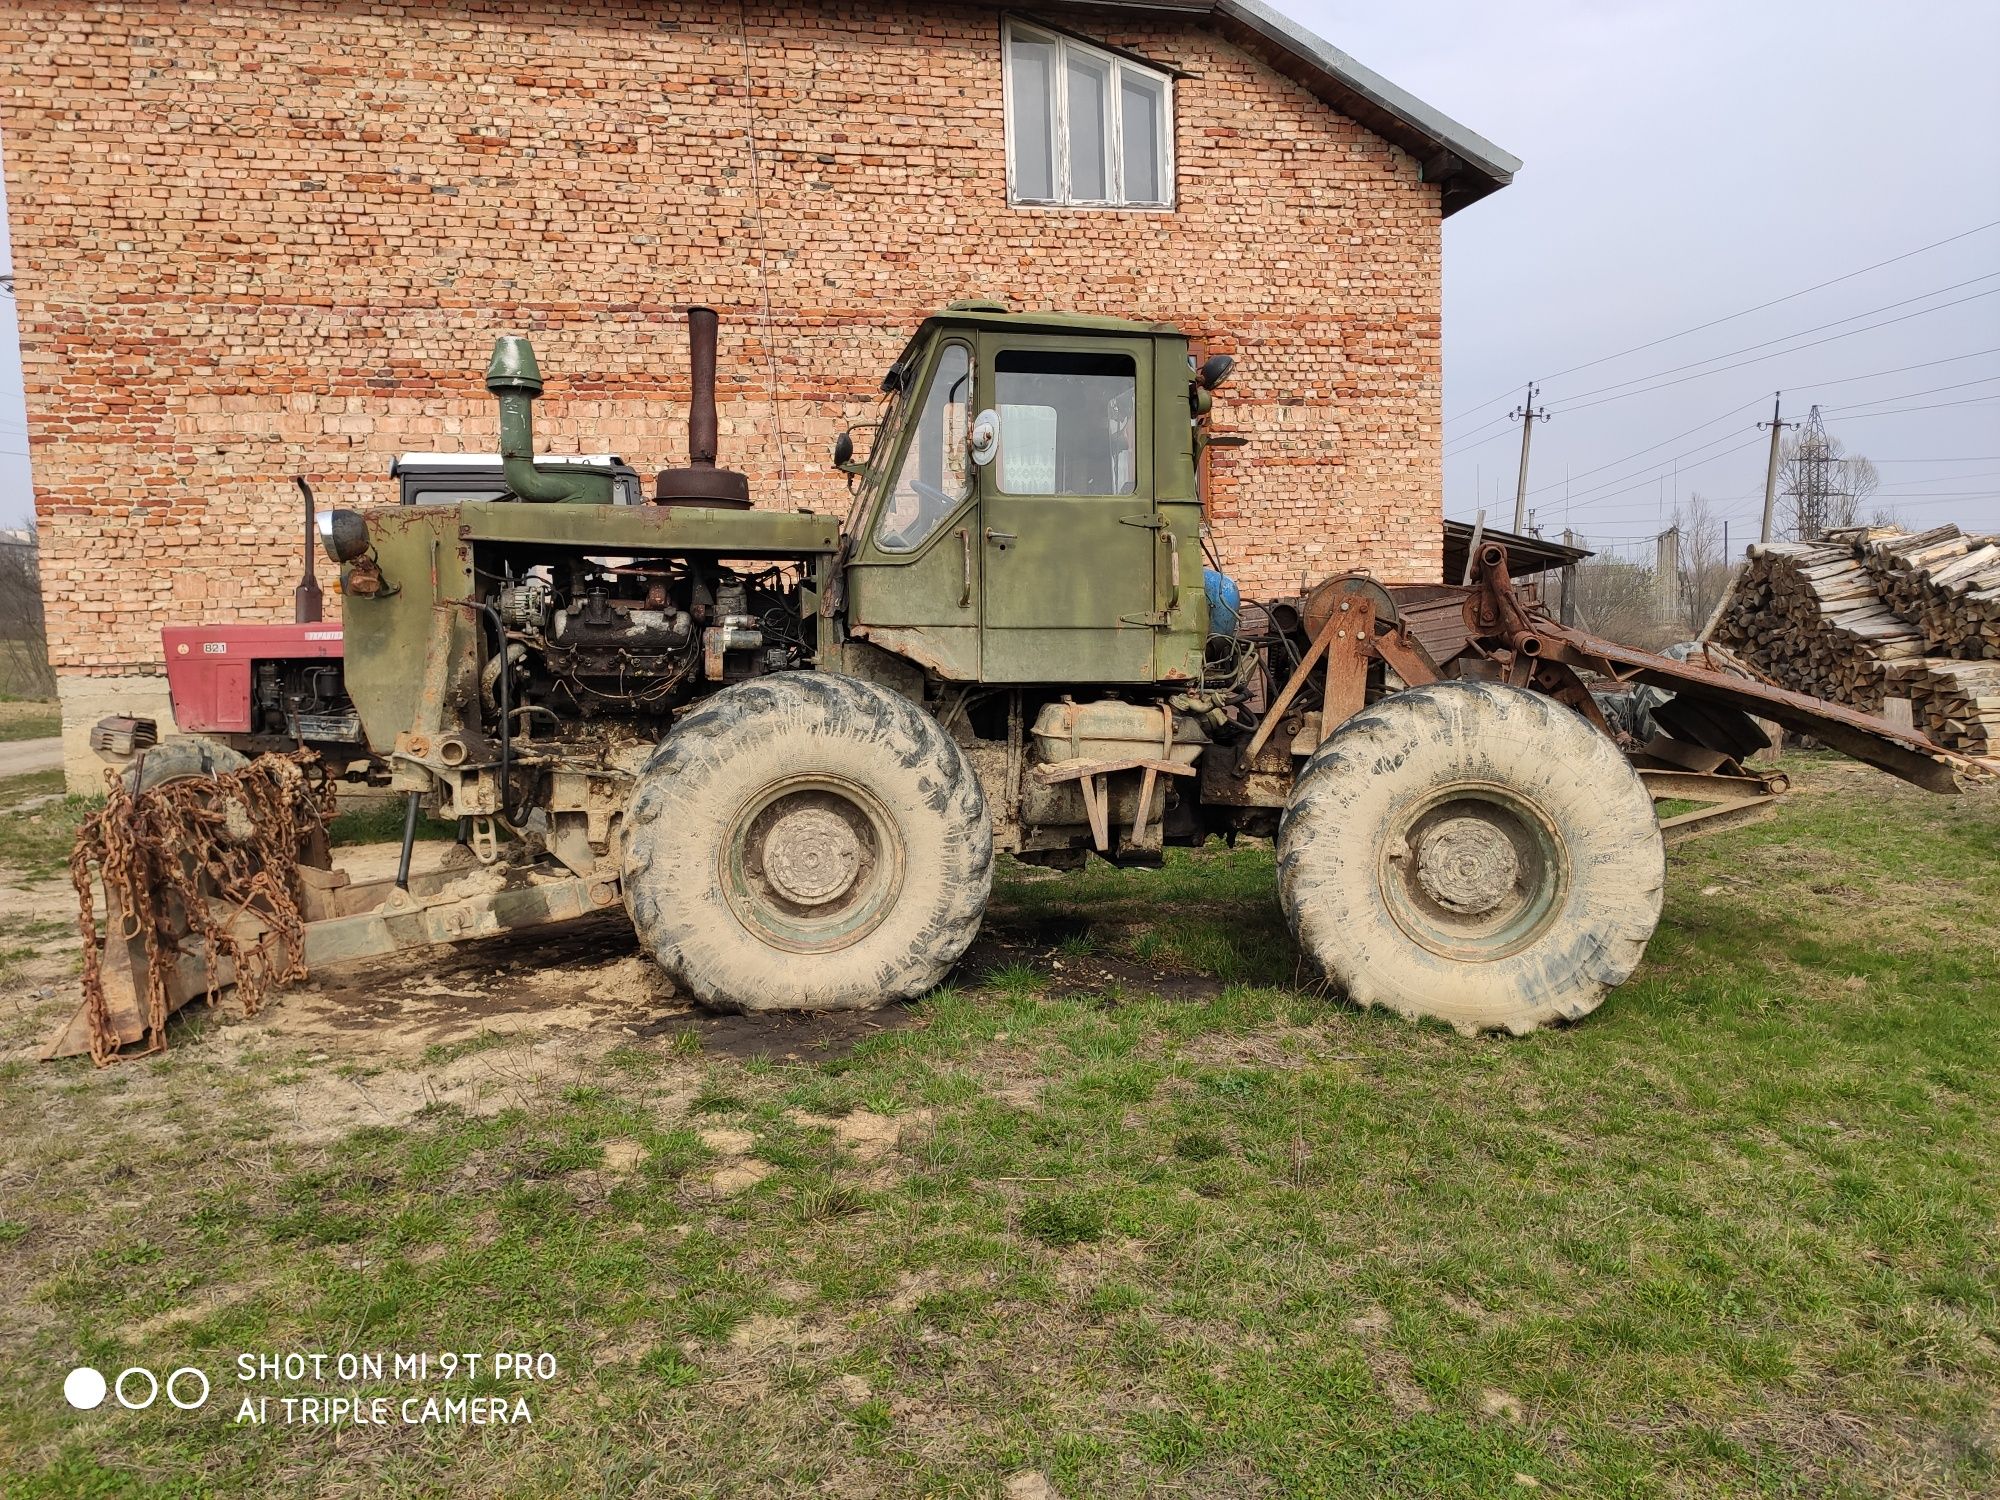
column 1503, row 627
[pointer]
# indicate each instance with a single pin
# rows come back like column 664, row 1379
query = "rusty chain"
column 201, row 856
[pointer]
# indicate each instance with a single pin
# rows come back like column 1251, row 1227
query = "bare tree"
column 24, row 641
column 1705, row 565
column 1620, row 600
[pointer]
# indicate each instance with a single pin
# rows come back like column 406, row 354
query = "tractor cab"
column 1027, row 511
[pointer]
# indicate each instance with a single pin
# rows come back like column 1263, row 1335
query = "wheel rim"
column 1474, row 872
column 812, row 864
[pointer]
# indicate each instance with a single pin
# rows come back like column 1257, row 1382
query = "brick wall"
column 258, row 239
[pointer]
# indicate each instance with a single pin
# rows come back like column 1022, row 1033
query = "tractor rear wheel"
column 1475, row 853
column 178, row 759
column 807, row 841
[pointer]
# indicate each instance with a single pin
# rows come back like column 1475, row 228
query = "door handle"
column 1002, row 539
column 965, row 558
column 1168, row 540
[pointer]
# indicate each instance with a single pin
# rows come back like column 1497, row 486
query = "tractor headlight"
column 343, row 534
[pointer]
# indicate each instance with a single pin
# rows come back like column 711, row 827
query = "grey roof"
column 1466, row 164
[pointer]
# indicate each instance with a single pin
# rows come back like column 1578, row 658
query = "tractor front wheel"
column 807, row 841
column 1475, row 853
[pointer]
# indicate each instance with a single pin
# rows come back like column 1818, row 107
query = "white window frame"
column 1119, row 65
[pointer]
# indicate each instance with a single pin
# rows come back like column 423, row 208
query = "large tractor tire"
column 179, row 759
column 1475, row 853
column 807, row 841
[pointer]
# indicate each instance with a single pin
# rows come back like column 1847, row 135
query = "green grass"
column 30, row 720
column 1732, row 1235
column 38, row 824
column 379, row 820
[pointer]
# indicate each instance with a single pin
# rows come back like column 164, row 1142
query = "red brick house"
column 264, row 237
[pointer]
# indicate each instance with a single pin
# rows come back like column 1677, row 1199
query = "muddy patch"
column 809, row 1036
column 1075, row 958
column 589, row 976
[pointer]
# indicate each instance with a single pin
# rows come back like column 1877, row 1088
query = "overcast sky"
column 1684, row 161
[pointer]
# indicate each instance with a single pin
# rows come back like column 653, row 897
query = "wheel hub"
column 811, row 856
column 1473, row 872
column 812, row 863
column 1467, row 865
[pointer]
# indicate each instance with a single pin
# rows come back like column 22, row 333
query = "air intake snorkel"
column 515, row 381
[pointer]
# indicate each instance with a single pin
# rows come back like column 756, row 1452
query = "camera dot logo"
column 136, row 1388
column 84, row 1388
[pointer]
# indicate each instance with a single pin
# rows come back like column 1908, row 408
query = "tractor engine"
column 637, row 638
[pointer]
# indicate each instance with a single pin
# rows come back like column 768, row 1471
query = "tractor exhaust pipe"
column 307, row 601
column 702, row 323
column 701, row 482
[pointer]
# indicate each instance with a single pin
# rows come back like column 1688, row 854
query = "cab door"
column 913, row 581
column 1067, row 530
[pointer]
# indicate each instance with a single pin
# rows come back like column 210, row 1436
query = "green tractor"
column 792, row 746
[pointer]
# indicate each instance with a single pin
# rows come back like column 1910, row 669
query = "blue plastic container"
column 1224, row 597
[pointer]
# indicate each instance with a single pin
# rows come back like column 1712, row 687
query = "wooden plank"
column 1095, row 798
column 1055, row 772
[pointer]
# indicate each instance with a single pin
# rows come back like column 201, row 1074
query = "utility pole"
column 1528, row 416
column 1568, row 615
column 1777, row 426
column 1667, row 572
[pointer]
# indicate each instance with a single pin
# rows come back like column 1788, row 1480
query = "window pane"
column 1089, row 128
column 1031, row 75
column 1067, row 423
column 1142, row 103
column 935, row 475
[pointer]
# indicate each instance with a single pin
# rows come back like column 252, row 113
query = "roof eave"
column 1466, row 165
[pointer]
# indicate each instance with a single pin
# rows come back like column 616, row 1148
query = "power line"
column 1842, row 380
column 1906, row 395
column 1781, row 353
column 1454, row 453
column 1541, row 489
column 1651, row 471
column 1944, row 479
column 1802, row 332
column 1731, row 317
column 1653, row 479
column 1897, row 411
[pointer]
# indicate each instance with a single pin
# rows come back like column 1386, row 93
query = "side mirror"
column 1215, row 370
column 845, row 455
column 984, row 438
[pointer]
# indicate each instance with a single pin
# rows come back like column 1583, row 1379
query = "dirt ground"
column 488, row 1025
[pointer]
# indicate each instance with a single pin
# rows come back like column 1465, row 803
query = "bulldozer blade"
column 354, row 923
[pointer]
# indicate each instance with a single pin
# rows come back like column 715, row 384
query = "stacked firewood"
column 1944, row 582
column 1808, row 615
column 1956, row 703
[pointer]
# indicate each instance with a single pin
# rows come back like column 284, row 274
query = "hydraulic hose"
column 507, row 813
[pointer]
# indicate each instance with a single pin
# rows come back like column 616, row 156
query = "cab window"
column 936, row 475
column 1068, row 423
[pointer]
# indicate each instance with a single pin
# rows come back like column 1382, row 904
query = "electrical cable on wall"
column 763, row 255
